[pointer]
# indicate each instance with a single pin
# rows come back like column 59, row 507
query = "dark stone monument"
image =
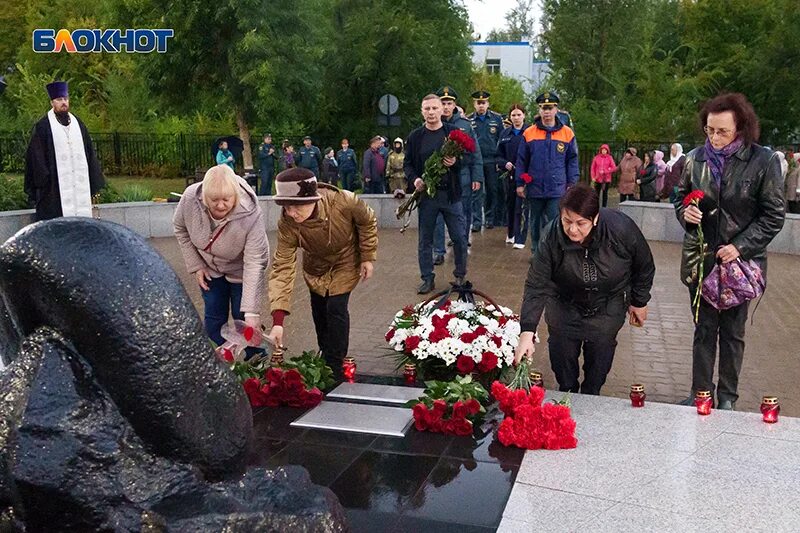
column 114, row 413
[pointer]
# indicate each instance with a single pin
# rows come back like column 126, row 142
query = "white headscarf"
column 674, row 158
column 784, row 163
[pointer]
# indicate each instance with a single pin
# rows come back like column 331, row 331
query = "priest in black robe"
column 62, row 172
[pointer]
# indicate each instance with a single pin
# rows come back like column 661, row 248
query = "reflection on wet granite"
column 383, row 481
column 408, row 524
column 423, row 482
column 471, row 492
column 262, row 449
column 324, row 463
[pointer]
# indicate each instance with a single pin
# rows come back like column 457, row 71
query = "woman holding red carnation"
column 741, row 211
column 593, row 267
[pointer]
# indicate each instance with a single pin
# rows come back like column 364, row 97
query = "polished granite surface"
column 421, row 482
column 661, row 468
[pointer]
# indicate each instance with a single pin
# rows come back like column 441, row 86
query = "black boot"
column 426, row 287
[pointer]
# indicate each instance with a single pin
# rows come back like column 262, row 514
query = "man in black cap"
column 62, row 172
column 487, row 125
column 309, row 156
column 266, row 165
column 547, row 164
column 471, row 170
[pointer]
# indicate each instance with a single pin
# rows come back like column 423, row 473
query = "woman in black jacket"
column 507, row 147
column 593, row 266
column 741, row 212
column 647, row 179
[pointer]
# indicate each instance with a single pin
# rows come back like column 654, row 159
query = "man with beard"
column 62, row 172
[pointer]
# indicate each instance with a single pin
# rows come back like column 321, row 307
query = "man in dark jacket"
column 547, row 164
column 593, row 266
column 487, row 125
column 420, row 145
column 309, row 156
column 266, row 165
column 374, row 167
column 346, row 158
column 62, row 172
column 742, row 210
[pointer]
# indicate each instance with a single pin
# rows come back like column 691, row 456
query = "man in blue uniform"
column 346, row 157
column 487, row 125
column 309, row 156
column 471, row 170
column 266, row 165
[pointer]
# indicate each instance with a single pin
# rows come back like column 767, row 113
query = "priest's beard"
column 62, row 117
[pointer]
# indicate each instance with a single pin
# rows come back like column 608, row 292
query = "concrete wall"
column 154, row 219
column 658, row 223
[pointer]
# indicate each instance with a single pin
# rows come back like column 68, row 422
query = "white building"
column 514, row 59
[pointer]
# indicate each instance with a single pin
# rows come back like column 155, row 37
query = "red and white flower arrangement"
column 458, row 336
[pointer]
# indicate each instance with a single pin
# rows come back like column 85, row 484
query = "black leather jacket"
column 647, row 187
column 748, row 213
column 586, row 290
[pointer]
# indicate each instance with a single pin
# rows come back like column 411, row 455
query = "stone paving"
column 658, row 355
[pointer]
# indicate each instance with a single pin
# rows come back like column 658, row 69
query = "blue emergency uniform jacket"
column 550, row 156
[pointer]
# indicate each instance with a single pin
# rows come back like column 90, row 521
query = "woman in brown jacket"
column 221, row 232
column 628, row 173
column 338, row 234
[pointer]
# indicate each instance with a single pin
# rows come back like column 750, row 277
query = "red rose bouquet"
column 456, row 144
column 694, row 198
column 449, row 407
column 529, row 423
column 298, row 382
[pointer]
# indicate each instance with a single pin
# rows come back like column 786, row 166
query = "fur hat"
column 295, row 186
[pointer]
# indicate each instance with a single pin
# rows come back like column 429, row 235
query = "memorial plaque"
column 370, row 392
column 357, row 418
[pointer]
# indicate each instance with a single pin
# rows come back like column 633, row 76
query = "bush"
column 135, row 193
column 12, row 194
column 108, row 195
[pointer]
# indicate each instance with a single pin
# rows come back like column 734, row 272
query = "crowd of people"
column 591, row 266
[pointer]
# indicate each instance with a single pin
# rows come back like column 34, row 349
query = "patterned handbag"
column 732, row 284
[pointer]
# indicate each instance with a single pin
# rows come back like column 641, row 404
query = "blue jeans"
column 466, row 203
column 453, row 214
column 266, row 181
column 348, row 179
column 539, row 213
column 221, row 298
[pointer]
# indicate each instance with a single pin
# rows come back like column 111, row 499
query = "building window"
column 493, row 66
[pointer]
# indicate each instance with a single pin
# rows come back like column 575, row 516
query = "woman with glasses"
column 593, row 267
column 741, row 212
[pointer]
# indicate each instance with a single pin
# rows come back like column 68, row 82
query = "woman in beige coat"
column 338, row 234
column 628, row 173
column 221, row 232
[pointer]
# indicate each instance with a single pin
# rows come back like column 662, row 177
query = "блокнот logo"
column 83, row 41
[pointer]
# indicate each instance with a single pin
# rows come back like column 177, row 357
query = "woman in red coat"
column 603, row 166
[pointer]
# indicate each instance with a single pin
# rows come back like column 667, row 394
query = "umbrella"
column 235, row 145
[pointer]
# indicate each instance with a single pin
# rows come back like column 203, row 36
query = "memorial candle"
column 536, row 379
column 349, row 368
column 410, row 373
column 276, row 360
column 703, row 401
column 637, row 395
column 770, row 409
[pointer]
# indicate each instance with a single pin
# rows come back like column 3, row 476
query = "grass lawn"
column 159, row 187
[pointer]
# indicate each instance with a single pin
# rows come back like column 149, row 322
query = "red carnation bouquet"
column 694, row 198
column 451, row 407
column 529, row 423
column 297, row 382
column 526, row 178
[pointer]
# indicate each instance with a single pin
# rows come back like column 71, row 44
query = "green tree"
column 520, row 24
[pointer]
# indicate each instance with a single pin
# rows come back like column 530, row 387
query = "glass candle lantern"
column 276, row 359
column 410, row 373
column 770, row 408
column 349, row 368
column 703, row 401
column 536, row 378
column 637, row 395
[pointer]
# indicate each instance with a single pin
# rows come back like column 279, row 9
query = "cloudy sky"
column 489, row 14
